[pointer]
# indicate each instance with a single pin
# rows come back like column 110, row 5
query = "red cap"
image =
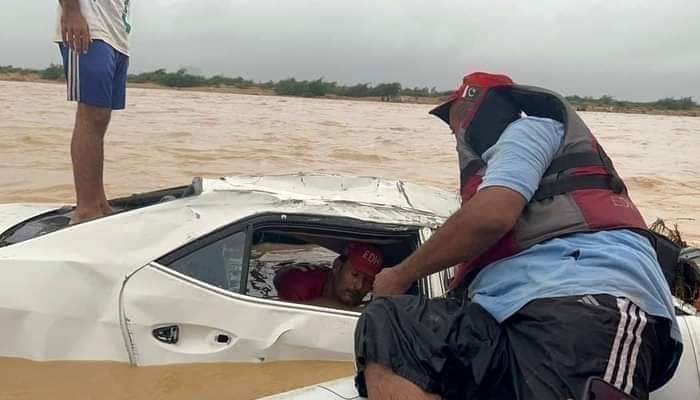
column 473, row 89
column 365, row 257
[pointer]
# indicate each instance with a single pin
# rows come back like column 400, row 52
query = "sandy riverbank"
column 257, row 91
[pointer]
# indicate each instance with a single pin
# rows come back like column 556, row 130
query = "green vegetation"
column 670, row 103
column 9, row 69
column 320, row 87
column 54, row 72
column 179, row 79
column 606, row 101
column 183, row 79
column 286, row 87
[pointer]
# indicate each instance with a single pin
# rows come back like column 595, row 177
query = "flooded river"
column 166, row 137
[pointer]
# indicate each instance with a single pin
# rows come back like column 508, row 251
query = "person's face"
column 351, row 285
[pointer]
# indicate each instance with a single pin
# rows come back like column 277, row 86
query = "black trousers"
column 547, row 350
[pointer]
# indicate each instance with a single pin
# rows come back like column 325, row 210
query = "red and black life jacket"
column 579, row 192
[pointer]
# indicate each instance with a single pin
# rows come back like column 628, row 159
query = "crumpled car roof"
column 116, row 245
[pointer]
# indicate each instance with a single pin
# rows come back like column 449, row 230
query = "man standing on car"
column 93, row 37
column 557, row 283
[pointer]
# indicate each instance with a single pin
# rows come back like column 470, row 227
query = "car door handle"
column 223, row 338
column 167, row 334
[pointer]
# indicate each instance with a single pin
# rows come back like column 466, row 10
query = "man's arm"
column 515, row 165
column 469, row 232
column 74, row 28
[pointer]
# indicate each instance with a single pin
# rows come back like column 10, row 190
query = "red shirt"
column 300, row 285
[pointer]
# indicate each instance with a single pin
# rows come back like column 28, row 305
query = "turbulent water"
column 166, row 137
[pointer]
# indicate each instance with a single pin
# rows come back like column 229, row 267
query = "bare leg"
column 87, row 153
column 383, row 384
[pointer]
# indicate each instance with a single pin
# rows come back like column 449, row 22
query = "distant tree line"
column 320, row 87
column 668, row 103
column 53, row 72
column 182, row 79
column 286, row 87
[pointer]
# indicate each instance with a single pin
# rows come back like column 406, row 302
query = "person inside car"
column 344, row 285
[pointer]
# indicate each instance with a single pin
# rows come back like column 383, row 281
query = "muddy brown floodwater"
column 166, row 137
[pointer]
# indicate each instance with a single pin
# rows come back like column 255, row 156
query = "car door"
column 188, row 308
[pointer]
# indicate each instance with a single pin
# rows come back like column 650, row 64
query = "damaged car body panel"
column 231, row 327
column 136, row 287
column 95, row 291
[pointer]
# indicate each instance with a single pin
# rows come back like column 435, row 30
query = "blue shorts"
column 97, row 78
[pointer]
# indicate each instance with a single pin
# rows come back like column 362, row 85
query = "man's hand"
column 391, row 281
column 473, row 229
column 74, row 27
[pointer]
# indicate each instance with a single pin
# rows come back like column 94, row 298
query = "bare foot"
column 106, row 209
column 83, row 215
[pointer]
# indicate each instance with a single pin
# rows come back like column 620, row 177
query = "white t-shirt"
column 108, row 20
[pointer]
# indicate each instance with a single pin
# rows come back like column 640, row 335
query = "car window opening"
column 249, row 258
column 275, row 252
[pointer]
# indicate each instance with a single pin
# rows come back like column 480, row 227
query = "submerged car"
column 185, row 275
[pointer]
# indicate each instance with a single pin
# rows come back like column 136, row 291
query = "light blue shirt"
column 620, row 263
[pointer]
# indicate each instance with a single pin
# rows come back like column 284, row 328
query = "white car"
column 184, row 275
